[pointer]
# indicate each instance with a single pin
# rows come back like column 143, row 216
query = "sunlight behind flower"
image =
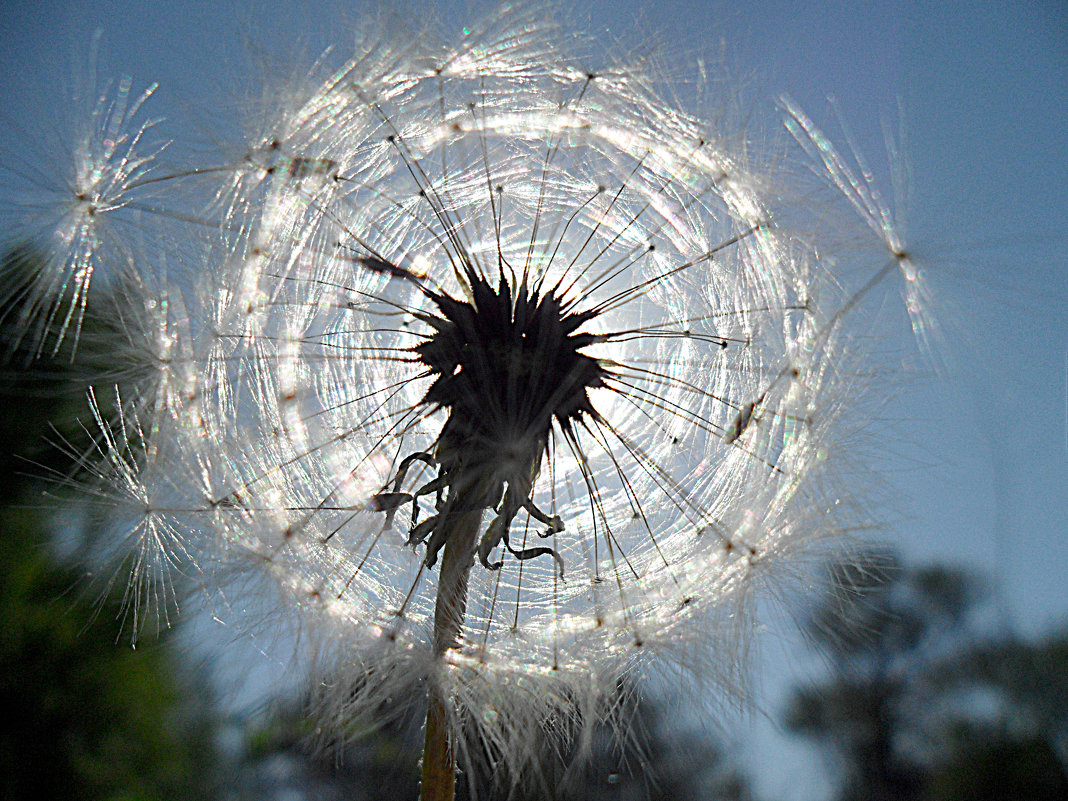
column 501, row 376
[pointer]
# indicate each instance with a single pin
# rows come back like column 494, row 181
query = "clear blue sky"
column 984, row 88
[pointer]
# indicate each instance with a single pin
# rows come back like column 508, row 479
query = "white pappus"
column 480, row 300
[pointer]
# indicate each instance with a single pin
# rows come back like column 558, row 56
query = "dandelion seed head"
column 487, row 287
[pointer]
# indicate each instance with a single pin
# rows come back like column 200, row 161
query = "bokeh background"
column 974, row 97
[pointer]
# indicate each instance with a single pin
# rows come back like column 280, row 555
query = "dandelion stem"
column 439, row 761
column 439, row 756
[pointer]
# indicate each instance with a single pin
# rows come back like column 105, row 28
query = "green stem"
column 439, row 756
column 439, row 761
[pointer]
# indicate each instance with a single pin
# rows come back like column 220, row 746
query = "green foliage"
column 992, row 768
column 84, row 717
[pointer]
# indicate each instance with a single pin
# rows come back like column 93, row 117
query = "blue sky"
column 982, row 90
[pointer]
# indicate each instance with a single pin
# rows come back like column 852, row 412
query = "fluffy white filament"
column 277, row 391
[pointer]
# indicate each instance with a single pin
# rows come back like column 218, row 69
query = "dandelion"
column 504, row 376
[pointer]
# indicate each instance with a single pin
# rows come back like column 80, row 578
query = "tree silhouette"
column 1004, row 731
column 918, row 707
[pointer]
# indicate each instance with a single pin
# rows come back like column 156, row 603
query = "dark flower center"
column 506, row 363
column 505, row 368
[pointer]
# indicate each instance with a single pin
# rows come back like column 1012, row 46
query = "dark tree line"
column 920, row 705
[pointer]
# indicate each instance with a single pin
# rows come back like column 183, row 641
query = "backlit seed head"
column 486, row 282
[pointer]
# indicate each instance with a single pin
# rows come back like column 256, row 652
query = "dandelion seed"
column 83, row 212
column 512, row 378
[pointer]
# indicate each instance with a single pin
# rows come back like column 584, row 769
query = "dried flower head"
column 504, row 374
